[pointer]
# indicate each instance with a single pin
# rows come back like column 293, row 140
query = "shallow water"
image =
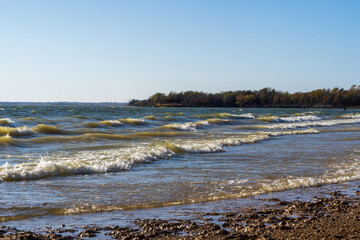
column 86, row 158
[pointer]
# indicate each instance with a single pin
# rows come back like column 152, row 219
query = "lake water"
column 84, row 159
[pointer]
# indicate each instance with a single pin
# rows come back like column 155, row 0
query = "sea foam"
column 321, row 123
column 101, row 161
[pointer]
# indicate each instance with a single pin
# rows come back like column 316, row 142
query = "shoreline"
column 325, row 212
column 166, row 105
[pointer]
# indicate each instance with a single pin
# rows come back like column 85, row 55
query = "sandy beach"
column 326, row 212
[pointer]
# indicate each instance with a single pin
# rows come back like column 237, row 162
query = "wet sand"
column 327, row 212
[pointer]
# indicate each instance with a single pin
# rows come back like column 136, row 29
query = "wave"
column 175, row 114
column 212, row 145
column 156, row 134
column 226, row 115
column 6, row 140
column 192, row 126
column 88, row 137
column 112, row 123
column 351, row 115
column 28, row 118
column 87, row 162
column 133, row 121
column 239, row 188
column 25, row 131
column 6, row 122
column 116, row 123
column 289, row 119
column 16, row 132
column 309, row 113
column 79, row 138
column 80, row 163
column 322, row 123
column 150, row 117
column 295, row 132
column 340, row 172
column 241, row 116
column 46, row 129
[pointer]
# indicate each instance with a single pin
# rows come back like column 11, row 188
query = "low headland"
column 266, row 97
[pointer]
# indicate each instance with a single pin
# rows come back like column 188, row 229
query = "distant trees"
column 266, row 97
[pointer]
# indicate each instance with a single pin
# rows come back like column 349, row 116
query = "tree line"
column 266, row 97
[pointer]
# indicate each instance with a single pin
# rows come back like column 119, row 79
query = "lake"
column 71, row 159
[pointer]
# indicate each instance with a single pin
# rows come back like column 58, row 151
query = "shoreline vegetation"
column 264, row 98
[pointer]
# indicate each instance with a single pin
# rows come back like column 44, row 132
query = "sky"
column 117, row 50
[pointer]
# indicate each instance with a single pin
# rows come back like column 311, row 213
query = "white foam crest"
column 215, row 145
column 199, row 147
column 218, row 144
column 299, row 118
column 244, row 116
column 234, row 141
column 321, row 123
column 19, row 131
column 295, row 132
column 101, row 161
column 182, row 126
column 112, row 122
column 339, row 172
column 84, row 162
column 23, row 131
column 217, row 120
column 351, row 115
column 254, row 138
column 296, row 118
column 226, row 115
column 132, row 121
column 192, row 126
column 6, row 121
column 348, row 171
column 349, row 174
column 189, row 126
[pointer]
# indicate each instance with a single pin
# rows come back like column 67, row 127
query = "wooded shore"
column 266, row 97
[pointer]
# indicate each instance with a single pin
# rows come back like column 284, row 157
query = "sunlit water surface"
column 83, row 158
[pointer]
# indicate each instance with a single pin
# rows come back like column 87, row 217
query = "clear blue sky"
column 107, row 50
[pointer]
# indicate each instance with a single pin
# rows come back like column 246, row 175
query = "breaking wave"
column 289, row 119
column 115, row 123
column 244, row 188
column 226, row 115
column 322, row 123
column 351, row 115
column 84, row 162
column 87, row 162
column 16, row 132
column 192, row 126
column 6, row 122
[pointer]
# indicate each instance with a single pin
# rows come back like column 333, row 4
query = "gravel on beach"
column 336, row 216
